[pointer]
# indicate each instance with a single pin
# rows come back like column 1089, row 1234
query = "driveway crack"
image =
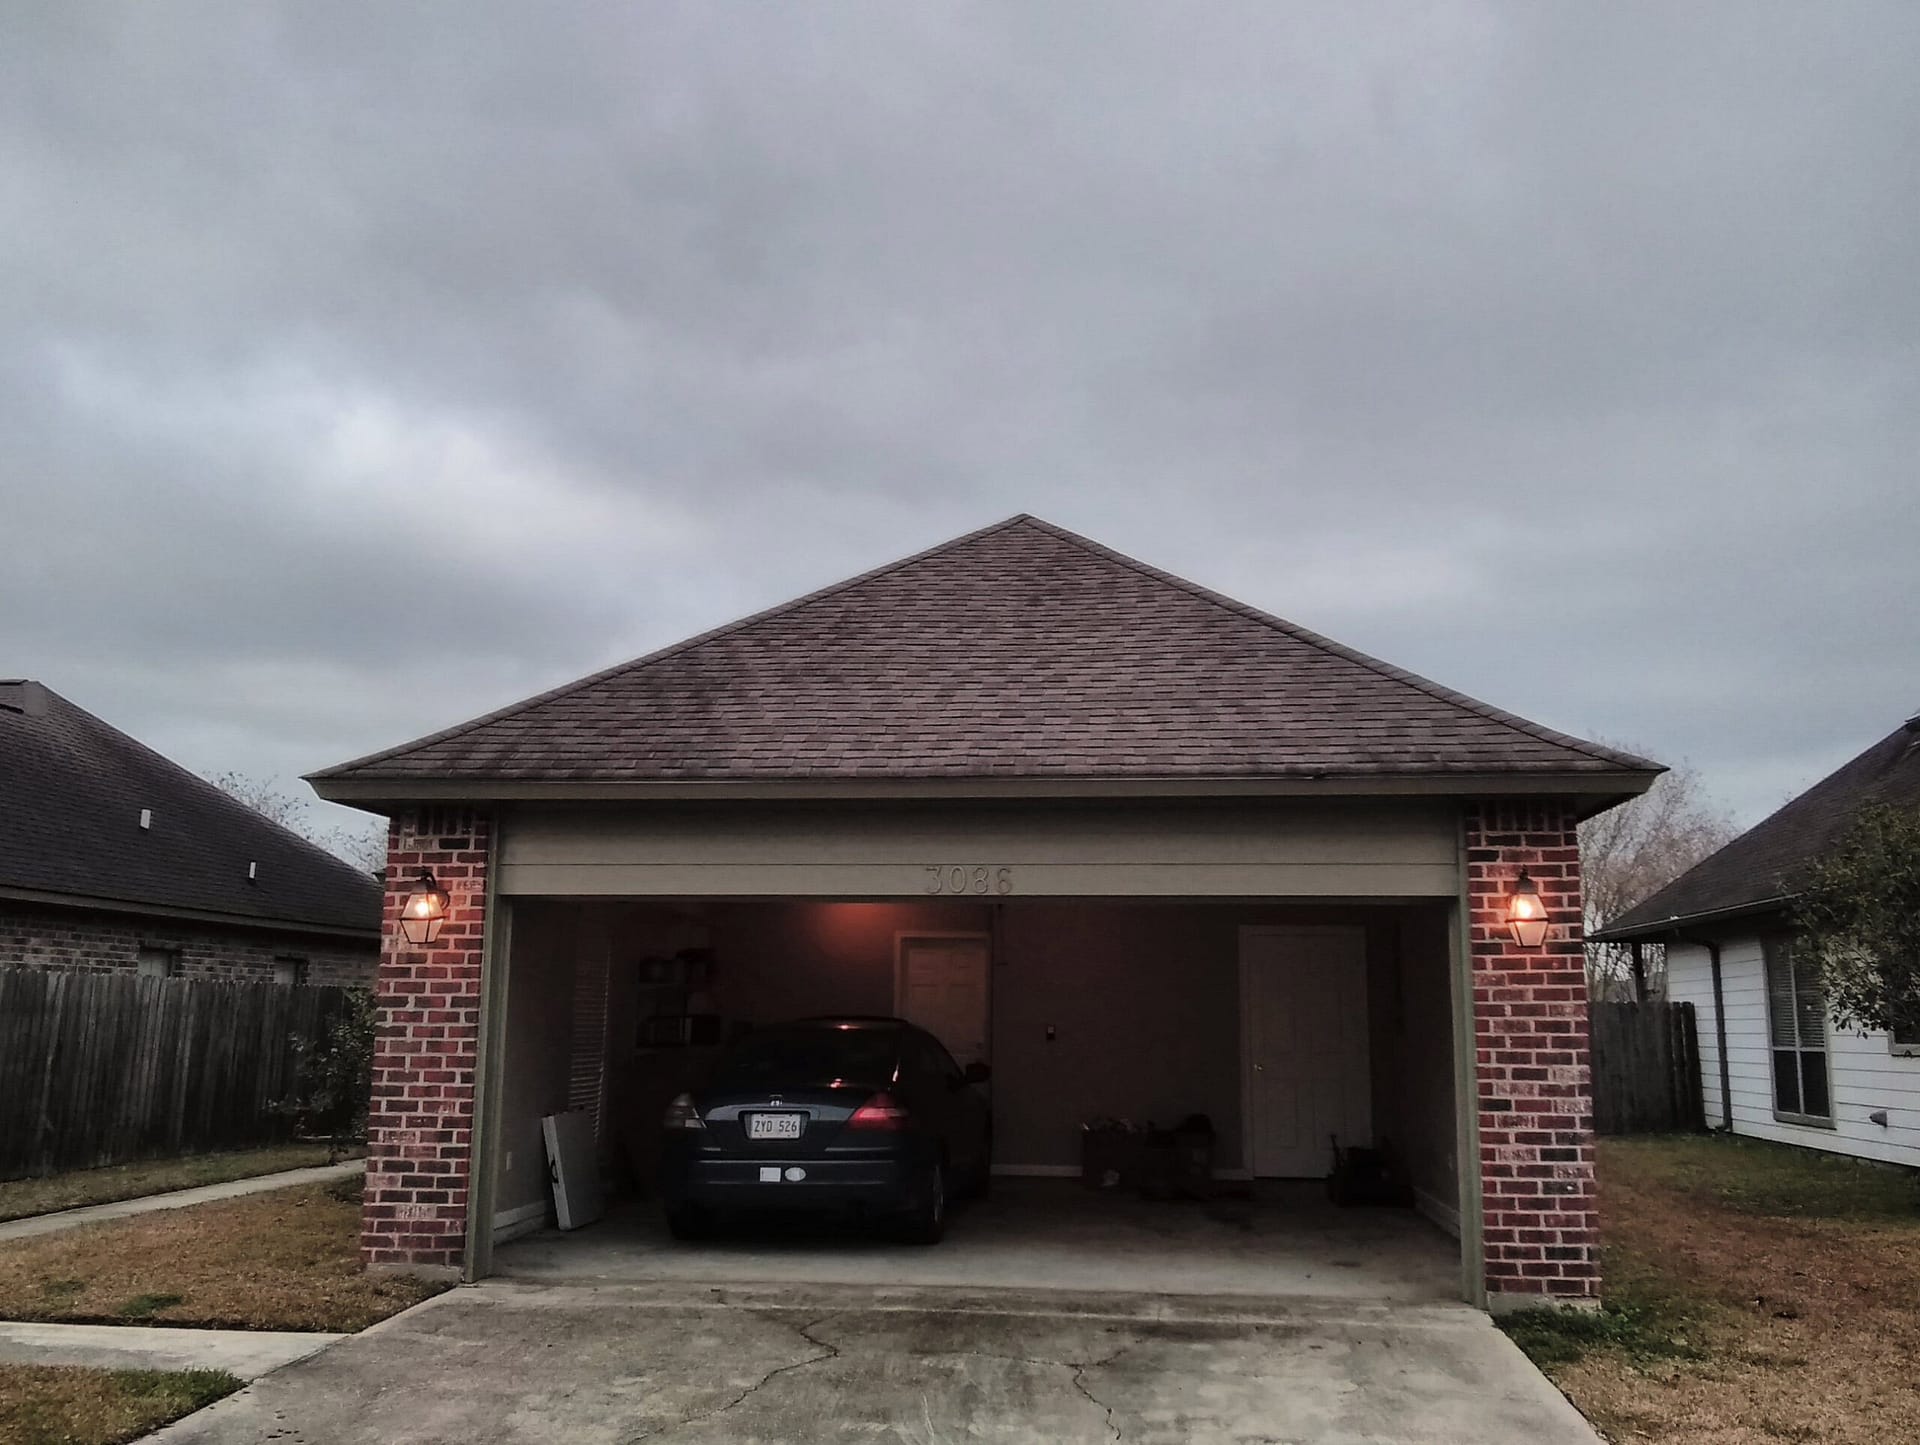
column 1080, row 1384
column 828, row 1351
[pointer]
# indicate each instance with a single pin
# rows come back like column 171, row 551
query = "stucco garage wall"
column 1144, row 1002
column 536, row 1049
column 1417, row 1040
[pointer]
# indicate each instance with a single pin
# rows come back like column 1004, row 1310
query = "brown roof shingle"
column 71, row 792
column 1020, row 651
column 1765, row 865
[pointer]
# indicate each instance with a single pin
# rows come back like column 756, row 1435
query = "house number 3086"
column 962, row 878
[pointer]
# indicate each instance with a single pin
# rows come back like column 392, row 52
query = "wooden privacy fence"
column 100, row 1068
column 1646, row 1069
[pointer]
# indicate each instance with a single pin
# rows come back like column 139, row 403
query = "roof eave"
column 1686, row 922
column 1597, row 790
column 100, row 904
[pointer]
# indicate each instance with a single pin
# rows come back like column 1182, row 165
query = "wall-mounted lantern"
column 424, row 911
column 1527, row 913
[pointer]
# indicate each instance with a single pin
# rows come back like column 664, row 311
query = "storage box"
column 1176, row 1164
column 1109, row 1156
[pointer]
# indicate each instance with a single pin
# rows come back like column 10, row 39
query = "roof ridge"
column 634, row 664
column 212, row 790
column 1326, row 644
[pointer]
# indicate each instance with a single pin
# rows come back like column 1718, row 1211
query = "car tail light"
column 879, row 1112
column 682, row 1115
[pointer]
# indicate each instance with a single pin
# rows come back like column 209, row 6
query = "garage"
column 1148, row 854
column 1282, row 1027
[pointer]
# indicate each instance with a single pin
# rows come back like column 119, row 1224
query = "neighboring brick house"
column 114, row 859
column 1115, row 832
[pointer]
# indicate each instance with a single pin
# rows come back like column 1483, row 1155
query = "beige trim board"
column 387, row 794
column 489, row 1074
column 907, row 881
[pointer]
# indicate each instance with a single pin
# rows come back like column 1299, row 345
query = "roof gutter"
column 1674, row 922
column 1719, row 1024
column 192, row 915
column 1598, row 791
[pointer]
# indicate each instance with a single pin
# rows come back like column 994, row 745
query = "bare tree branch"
column 365, row 848
column 1630, row 852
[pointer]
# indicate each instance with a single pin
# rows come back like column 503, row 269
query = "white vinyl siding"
column 1864, row 1077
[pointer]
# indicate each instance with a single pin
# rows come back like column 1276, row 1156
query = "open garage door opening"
column 1170, row 1084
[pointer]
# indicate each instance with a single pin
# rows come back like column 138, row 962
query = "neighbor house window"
column 1905, row 1040
column 289, row 971
column 1797, row 1025
column 159, row 962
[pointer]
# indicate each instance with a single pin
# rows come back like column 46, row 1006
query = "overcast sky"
column 364, row 368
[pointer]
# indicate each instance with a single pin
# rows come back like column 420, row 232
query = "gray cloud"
column 363, row 368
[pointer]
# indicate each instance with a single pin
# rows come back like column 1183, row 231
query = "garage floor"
column 1286, row 1241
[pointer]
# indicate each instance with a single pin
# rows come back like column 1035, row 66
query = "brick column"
column 1530, row 1033
column 420, row 1127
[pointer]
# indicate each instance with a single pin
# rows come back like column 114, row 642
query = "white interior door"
column 1308, row 1077
column 942, row 986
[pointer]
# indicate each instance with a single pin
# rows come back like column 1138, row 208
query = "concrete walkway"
column 245, row 1353
column 179, row 1199
column 506, row 1364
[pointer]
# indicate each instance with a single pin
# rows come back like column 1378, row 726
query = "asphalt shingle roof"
column 71, row 792
column 1767, row 863
column 1020, row 651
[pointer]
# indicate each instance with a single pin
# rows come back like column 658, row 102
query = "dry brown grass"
column 286, row 1260
column 1810, row 1323
column 20, row 1198
column 48, row 1405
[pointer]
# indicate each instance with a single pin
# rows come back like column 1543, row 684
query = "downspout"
column 1719, row 1026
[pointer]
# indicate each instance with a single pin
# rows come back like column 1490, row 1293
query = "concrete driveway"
column 502, row 1362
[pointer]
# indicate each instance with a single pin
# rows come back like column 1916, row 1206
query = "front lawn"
column 1754, row 1292
column 20, row 1198
column 284, row 1260
column 54, row 1405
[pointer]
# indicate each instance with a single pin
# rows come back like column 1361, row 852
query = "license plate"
column 775, row 1126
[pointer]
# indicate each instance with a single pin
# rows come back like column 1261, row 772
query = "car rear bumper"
column 885, row 1183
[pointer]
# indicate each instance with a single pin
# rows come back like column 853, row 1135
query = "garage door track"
column 502, row 1362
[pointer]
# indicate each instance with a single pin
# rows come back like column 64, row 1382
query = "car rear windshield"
column 813, row 1056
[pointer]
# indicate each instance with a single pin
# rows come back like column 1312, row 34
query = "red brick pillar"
column 1530, row 1033
column 420, row 1127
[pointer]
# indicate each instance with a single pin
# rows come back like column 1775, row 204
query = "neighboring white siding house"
column 1792, row 1076
column 1866, row 1075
